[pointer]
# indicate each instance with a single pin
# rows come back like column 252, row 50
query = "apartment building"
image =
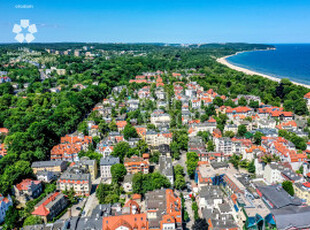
column 27, row 189
column 70, row 146
column 164, row 210
column 77, row 179
column 136, row 164
column 53, row 166
column 105, row 166
column 50, row 206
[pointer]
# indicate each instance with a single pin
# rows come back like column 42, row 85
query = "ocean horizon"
column 290, row 61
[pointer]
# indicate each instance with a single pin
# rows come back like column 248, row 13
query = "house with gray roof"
column 106, row 164
column 166, row 168
column 75, row 178
column 276, row 197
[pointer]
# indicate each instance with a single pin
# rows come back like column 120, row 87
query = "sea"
column 290, row 61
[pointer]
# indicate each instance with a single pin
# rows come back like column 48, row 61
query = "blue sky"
column 195, row 21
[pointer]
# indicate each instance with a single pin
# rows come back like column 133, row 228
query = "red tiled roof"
column 306, row 184
column 25, row 184
column 239, row 109
column 136, row 221
column 307, row 95
column 42, row 210
column 4, row 130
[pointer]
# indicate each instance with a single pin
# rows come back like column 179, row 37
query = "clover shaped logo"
column 24, row 31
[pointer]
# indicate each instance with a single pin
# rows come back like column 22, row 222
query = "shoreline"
column 223, row 61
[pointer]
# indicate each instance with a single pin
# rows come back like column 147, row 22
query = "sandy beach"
column 223, row 61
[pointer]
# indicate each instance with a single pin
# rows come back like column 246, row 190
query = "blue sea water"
column 287, row 61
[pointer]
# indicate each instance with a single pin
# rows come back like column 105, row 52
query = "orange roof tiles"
column 42, row 210
column 4, row 130
column 136, row 196
column 121, row 124
column 136, row 221
column 288, row 124
column 26, row 183
column 307, row 95
column 239, row 109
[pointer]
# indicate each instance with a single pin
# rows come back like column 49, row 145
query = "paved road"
column 92, row 200
column 188, row 203
column 188, row 208
column 75, row 210
column 91, row 203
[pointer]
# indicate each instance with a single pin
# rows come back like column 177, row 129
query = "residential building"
column 90, row 166
column 166, row 167
column 104, row 150
column 302, row 191
column 223, row 145
column 70, row 146
column 121, row 125
column 154, row 139
column 127, row 183
column 5, row 203
column 47, row 176
column 53, row 166
column 276, row 197
column 50, row 206
column 160, row 119
column 105, row 166
column 307, row 98
column 272, row 173
column 126, row 222
column 136, row 164
column 75, row 178
column 164, row 210
column 292, row 218
column 27, row 189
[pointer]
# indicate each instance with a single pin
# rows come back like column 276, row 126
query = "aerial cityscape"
column 187, row 131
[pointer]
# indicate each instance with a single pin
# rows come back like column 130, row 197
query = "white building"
column 5, row 203
column 105, row 166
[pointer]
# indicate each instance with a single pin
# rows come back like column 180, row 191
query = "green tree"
column 112, row 126
column 195, row 210
column 191, row 163
column 218, row 101
column 108, row 193
column 229, row 134
column 251, row 167
column 154, row 158
column 118, row 172
column 300, row 170
column 178, row 170
column 235, row 160
column 129, row 132
column 32, row 220
column 121, row 150
column 211, row 146
column 204, row 134
column 179, row 182
column 83, row 128
column 11, row 220
column 258, row 138
column 254, row 104
column 242, row 101
column 186, row 216
column 241, row 130
column 137, row 183
column 288, row 187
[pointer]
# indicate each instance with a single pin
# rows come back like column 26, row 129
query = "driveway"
column 75, row 210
